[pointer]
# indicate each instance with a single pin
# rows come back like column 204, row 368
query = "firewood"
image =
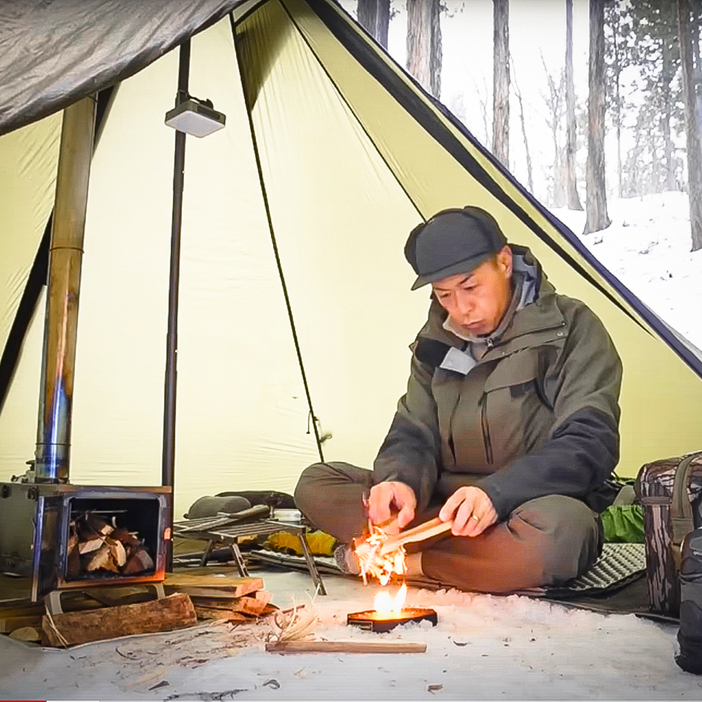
column 9, row 624
column 100, row 559
column 249, row 605
column 73, row 564
column 27, row 633
column 92, row 544
column 118, row 553
column 225, row 614
column 127, row 538
column 346, row 647
column 139, row 562
column 263, row 595
column 212, row 585
column 167, row 614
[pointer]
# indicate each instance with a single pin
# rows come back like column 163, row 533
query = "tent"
column 330, row 155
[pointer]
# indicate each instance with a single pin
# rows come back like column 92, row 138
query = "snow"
column 647, row 247
column 484, row 647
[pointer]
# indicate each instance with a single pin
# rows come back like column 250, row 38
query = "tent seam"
column 351, row 110
column 276, row 252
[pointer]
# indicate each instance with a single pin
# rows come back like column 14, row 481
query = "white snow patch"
column 648, row 247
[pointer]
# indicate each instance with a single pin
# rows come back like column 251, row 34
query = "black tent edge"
column 358, row 43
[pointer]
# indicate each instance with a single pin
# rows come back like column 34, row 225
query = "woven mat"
column 618, row 565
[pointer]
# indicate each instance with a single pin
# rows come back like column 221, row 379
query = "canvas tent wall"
column 334, row 151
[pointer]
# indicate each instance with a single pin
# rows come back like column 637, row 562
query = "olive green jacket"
column 538, row 414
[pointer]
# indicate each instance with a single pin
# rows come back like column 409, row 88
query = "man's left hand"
column 471, row 509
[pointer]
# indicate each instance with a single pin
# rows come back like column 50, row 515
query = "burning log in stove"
column 95, row 545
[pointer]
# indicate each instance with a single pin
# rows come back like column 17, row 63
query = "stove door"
column 48, row 540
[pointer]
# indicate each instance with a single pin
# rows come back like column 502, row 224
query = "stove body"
column 35, row 521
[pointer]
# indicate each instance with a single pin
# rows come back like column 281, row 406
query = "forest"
column 630, row 129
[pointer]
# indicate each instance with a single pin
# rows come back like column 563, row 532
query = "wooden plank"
column 346, row 647
column 233, row 586
column 173, row 612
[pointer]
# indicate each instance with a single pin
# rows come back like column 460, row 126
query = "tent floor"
column 484, row 647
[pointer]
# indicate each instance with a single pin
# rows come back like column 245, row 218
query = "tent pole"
column 169, row 414
column 63, row 288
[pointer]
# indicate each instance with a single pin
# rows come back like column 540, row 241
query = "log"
column 9, row 624
column 173, row 612
column 346, row 647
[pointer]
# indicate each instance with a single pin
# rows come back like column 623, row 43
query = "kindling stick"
column 346, row 647
column 433, row 527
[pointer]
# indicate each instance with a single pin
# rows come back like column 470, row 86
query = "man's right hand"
column 392, row 499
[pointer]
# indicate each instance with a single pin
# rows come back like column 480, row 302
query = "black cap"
column 453, row 241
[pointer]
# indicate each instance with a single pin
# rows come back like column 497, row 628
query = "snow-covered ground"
column 647, row 247
column 484, row 647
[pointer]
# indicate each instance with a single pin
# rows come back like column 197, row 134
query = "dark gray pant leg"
column 331, row 495
column 545, row 541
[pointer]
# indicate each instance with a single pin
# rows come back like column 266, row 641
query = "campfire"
column 382, row 556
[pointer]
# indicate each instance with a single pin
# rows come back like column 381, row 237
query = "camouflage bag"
column 669, row 491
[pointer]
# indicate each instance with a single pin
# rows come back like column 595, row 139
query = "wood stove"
column 36, row 528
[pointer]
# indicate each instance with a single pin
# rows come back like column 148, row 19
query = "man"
column 509, row 426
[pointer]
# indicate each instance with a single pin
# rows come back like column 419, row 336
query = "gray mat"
column 618, row 565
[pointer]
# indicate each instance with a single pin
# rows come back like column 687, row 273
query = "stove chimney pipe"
column 63, row 285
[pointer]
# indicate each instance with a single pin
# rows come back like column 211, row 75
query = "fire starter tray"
column 370, row 620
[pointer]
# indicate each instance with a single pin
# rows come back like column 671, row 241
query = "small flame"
column 387, row 605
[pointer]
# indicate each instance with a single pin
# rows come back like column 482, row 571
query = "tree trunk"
column 518, row 93
column 374, row 17
column 571, row 135
column 500, row 81
column 618, row 101
column 424, row 43
column 668, row 71
column 694, row 154
column 596, row 206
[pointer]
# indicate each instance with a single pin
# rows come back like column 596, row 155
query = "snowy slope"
column 647, row 247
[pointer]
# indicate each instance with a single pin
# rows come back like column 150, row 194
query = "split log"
column 216, row 613
column 94, row 543
column 346, row 647
column 167, row 614
column 100, row 559
column 9, row 624
column 139, row 562
column 249, row 605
